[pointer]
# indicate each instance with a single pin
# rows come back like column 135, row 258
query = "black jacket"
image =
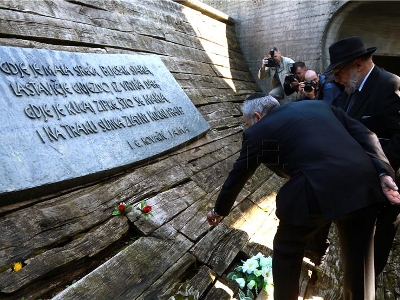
column 378, row 108
column 315, row 142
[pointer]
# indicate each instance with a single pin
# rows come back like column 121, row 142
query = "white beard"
column 354, row 82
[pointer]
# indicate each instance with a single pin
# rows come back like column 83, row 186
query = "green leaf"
column 116, row 213
column 250, row 294
column 242, row 296
column 239, row 268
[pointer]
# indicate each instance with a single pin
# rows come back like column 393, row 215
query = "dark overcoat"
column 311, row 141
column 378, row 108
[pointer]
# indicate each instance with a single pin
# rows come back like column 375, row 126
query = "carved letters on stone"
column 68, row 115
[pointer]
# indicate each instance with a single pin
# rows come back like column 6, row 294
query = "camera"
column 271, row 60
column 291, row 77
column 309, row 85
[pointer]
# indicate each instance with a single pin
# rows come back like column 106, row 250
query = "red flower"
column 146, row 209
column 121, row 207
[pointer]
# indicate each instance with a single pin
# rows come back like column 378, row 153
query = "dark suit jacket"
column 315, row 142
column 378, row 107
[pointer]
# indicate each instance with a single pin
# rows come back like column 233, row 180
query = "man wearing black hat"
column 332, row 163
column 372, row 96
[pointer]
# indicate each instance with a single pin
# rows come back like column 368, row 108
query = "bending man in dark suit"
column 333, row 164
column 372, row 96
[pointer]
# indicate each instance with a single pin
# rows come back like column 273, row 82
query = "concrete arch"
column 376, row 22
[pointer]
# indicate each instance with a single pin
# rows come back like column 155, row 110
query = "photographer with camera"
column 293, row 79
column 318, row 87
column 276, row 66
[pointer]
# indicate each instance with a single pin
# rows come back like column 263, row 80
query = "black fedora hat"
column 345, row 50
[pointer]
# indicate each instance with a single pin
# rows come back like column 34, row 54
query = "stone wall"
column 304, row 30
column 295, row 27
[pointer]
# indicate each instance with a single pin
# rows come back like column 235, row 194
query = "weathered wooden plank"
column 219, row 291
column 214, row 174
column 192, row 222
column 168, row 283
column 209, row 179
column 213, row 141
column 53, row 259
column 197, row 285
column 178, row 65
column 220, row 246
column 264, row 197
column 20, row 24
column 219, row 110
column 174, row 283
column 165, row 206
column 201, row 96
column 230, row 73
column 207, row 10
column 230, row 147
column 97, row 13
column 34, row 44
column 46, row 12
column 54, row 9
column 79, row 211
column 133, row 270
column 190, row 81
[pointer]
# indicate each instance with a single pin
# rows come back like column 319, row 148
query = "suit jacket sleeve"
column 243, row 168
column 367, row 139
column 391, row 120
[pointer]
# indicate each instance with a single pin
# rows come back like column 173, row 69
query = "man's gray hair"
column 260, row 103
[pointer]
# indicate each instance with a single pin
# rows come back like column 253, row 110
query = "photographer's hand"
column 300, row 91
column 294, row 83
column 264, row 62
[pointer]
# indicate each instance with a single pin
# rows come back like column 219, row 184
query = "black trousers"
column 356, row 239
column 386, row 228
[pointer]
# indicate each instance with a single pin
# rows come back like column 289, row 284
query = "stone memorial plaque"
column 69, row 116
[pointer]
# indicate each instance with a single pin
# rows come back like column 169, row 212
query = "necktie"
column 352, row 99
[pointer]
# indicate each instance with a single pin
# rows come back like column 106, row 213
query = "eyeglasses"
column 336, row 75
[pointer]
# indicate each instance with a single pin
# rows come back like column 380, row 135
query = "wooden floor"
column 165, row 263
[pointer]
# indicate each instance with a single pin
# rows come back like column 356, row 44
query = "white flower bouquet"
column 253, row 276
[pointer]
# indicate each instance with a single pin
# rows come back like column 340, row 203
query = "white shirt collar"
column 365, row 79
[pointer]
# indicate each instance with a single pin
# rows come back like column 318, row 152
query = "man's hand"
column 264, row 62
column 213, row 218
column 390, row 189
column 294, row 83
